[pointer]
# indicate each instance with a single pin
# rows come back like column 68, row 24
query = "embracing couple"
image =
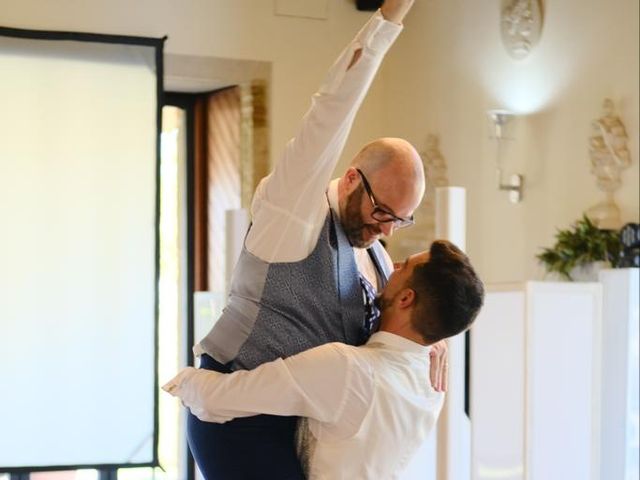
column 328, row 361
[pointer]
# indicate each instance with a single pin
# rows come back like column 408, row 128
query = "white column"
column 454, row 427
column 451, row 215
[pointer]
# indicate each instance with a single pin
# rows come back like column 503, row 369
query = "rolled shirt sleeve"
column 317, row 383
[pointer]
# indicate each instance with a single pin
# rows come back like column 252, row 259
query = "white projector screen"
column 78, row 167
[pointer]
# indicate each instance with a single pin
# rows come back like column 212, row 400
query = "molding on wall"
column 194, row 74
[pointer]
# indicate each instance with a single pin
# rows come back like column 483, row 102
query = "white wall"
column 445, row 71
column 300, row 49
column 450, row 67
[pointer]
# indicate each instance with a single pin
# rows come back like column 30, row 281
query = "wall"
column 300, row 49
column 445, row 71
column 450, row 67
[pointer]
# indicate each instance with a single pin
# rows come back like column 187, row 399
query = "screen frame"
column 158, row 45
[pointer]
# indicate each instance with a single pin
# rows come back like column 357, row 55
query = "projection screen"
column 78, row 263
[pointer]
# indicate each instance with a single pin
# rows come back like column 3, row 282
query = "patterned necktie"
column 371, row 311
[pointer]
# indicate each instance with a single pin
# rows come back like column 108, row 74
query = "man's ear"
column 349, row 181
column 406, row 297
column 352, row 177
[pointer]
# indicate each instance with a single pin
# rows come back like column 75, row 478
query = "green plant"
column 582, row 244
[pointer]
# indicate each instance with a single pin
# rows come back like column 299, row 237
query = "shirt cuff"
column 176, row 386
column 378, row 33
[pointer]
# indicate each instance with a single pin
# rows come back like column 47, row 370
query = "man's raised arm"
column 289, row 206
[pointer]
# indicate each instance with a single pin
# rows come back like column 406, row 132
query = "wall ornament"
column 609, row 155
column 520, row 25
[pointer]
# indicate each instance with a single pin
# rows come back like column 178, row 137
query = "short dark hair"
column 449, row 293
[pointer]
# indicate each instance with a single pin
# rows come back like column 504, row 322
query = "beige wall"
column 449, row 67
column 446, row 70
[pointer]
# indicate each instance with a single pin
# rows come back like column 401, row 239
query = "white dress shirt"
column 368, row 408
column 290, row 206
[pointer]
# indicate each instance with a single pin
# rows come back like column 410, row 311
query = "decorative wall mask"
column 521, row 24
column 609, row 156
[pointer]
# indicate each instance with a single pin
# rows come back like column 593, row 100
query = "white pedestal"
column 562, row 386
column 535, row 403
column 497, row 386
column 620, row 373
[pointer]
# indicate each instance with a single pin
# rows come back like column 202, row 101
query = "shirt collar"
column 332, row 196
column 398, row 343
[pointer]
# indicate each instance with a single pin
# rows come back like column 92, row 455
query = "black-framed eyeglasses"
column 381, row 214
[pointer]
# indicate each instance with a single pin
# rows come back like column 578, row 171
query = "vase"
column 588, row 272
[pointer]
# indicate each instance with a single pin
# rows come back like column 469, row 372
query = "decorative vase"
column 589, row 271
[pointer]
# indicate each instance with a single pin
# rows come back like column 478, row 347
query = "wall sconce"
column 499, row 124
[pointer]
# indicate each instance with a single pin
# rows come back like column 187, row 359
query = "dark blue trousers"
column 260, row 447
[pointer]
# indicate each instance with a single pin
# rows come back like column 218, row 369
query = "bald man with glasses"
column 312, row 263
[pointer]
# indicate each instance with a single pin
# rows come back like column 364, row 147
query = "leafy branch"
column 584, row 243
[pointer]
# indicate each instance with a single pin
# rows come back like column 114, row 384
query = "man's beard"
column 353, row 224
column 382, row 303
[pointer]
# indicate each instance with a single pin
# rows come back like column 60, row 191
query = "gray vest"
column 276, row 310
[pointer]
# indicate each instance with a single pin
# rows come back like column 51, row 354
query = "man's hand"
column 439, row 370
column 395, row 10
